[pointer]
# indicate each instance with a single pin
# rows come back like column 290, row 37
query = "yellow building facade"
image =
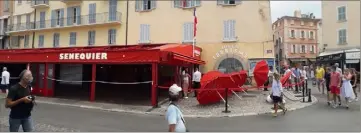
column 233, row 34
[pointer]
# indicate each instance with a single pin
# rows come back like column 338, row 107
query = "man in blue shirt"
column 174, row 116
column 297, row 74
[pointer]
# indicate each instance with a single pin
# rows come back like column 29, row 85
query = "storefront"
column 331, row 59
column 353, row 60
column 346, row 58
column 232, row 57
column 101, row 63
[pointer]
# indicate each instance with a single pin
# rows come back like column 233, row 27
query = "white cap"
column 174, row 89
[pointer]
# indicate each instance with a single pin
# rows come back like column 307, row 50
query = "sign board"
column 83, row 56
column 353, row 55
column 230, row 49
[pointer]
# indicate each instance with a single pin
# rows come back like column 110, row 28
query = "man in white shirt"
column 196, row 81
column 5, row 80
column 290, row 78
column 338, row 69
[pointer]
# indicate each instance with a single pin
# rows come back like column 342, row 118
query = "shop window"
column 230, row 65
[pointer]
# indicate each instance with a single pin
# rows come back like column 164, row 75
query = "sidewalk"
column 248, row 105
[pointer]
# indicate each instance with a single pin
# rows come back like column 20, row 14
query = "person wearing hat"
column 20, row 101
column 174, row 115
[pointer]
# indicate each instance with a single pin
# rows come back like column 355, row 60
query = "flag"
column 195, row 23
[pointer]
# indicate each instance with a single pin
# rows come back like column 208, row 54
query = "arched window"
column 229, row 65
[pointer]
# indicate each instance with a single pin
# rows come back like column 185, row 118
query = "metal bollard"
column 309, row 96
column 226, row 105
column 303, row 93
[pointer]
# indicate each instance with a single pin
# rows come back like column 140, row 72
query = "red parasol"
column 210, row 76
column 285, row 77
column 239, row 78
column 206, row 95
column 260, row 73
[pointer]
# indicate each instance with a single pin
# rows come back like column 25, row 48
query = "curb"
column 162, row 114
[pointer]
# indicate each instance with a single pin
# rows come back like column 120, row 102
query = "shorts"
column 277, row 99
column 196, row 85
column 335, row 90
column 4, row 87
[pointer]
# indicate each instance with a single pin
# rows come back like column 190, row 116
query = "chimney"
column 297, row 13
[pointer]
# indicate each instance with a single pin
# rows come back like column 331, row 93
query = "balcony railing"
column 91, row 19
column 40, row 3
column 71, row 1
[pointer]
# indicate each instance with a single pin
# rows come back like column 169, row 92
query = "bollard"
column 303, row 93
column 309, row 96
column 226, row 105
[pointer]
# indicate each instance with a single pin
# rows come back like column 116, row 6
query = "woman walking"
column 347, row 91
column 185, row 84
column 277, row 94
column 354, row 82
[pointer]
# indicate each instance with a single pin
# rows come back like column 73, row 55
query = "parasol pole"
column 222, row 98
column 236, row 95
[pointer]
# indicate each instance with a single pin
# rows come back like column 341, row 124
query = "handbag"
column 178, row 110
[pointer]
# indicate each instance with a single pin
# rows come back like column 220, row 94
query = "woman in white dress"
column 347, row 91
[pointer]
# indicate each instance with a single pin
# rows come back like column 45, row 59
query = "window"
column 228, row 2
column 144, row 33
column 292, row 21
column 311, row 23
column 292, row 34
column 41, row 41
column 6, row 5
column 312, row 49
column 72, row 40
column 186, row 3
column 302, row 34
column 341, row 13
column 73, row 15
column 113, row 9
column 42, row 19
column 145, row 5
column 18, row 22
column 293, row 50
column 26, row 41
column 91, row 37
column 188, row 32
column 342, row 36
column 229, row 30
column 19, row 1
column 303, row 49
column 92, row 13
column 302, row 23
column 112, row 36
column 56, row 39
column 230, row 65
column 57, row 17
column 28, row 24
column 311, row 35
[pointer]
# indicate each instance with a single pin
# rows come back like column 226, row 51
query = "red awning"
column 131, row 54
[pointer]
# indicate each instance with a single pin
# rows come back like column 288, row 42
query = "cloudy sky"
column 282, row 8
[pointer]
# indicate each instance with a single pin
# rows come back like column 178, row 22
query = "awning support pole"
column 154, row 95
column 92, row 86
column 45, row 89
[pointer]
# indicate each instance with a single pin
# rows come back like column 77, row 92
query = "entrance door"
column 51, row 81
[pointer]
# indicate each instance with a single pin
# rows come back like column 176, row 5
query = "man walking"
column 174, row 116
column 196, row 81
column 21, row 104
column 297, row 74
column 5, row 80
column 335, row 85
column 320, row 74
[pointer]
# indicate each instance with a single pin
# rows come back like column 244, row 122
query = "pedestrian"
column 196, row 81
column 338, row 69
column 277, row 94
column 327, row 81
column 304, row 77
column 5, row 80
column 312, row 75
column 335, row 84
column 270, row 73
column 174, row 116
column 289, row 81
column 347, row 91
column 21, row 103
column 353, row 81
column 185, row 84
column 320, row 74
column 297, row 73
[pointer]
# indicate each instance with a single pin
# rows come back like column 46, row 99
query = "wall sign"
column 230, row 49
column 83, row 56
column 353, row 55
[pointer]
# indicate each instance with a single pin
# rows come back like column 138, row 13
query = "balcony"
column 70, row 22
column 72, row 1
column 40, row 4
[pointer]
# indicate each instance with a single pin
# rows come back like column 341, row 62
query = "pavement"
column 318, row 117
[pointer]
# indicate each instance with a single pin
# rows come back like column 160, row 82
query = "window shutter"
column 74, row 38
column 289, row 33
column 220, row 2
column 61, row 17
column 93, row 37
column 89, row 38
column 238, row 1
column 184, row 32
column 226, row 30
column 148, row 33
column 138, row 6
column 53, row 21
column 78, row 15
column 92, row 13
column 115, row 36
column 26, row 41
column 198, row 3
column 42, row 20
column 28, row 21
column 141, row 34
column 109, row 37
column 292, row 50
column 177, row 3
column 233, row 29
column 314, row 35
column 69, row 14
column 153, row 4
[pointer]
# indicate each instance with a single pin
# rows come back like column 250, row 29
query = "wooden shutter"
column 138, row 6
column 153, row 4
column 61, row 17
column 177, row 3
column 42, row 20
column 226, row 30
column 232, row 29
column 197, row 2
column 220, row 2
column 147, row 33
column 53, row 21
column 238, row 1
column 78, row 15
column 69, row 15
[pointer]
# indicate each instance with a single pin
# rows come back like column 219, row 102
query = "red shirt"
column 335, row 79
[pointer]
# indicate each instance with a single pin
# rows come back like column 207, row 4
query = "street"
column 318, row 117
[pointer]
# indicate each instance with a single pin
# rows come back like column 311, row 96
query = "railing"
column 39, row 2
column 91, row 19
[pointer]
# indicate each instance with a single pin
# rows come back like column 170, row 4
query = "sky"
column 283, row 8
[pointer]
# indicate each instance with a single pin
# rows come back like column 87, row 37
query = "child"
column 277, row 94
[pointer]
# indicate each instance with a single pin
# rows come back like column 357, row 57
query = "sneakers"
column 356, row 99
column 284, row 111
column 274, row 114
column 328, row 103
